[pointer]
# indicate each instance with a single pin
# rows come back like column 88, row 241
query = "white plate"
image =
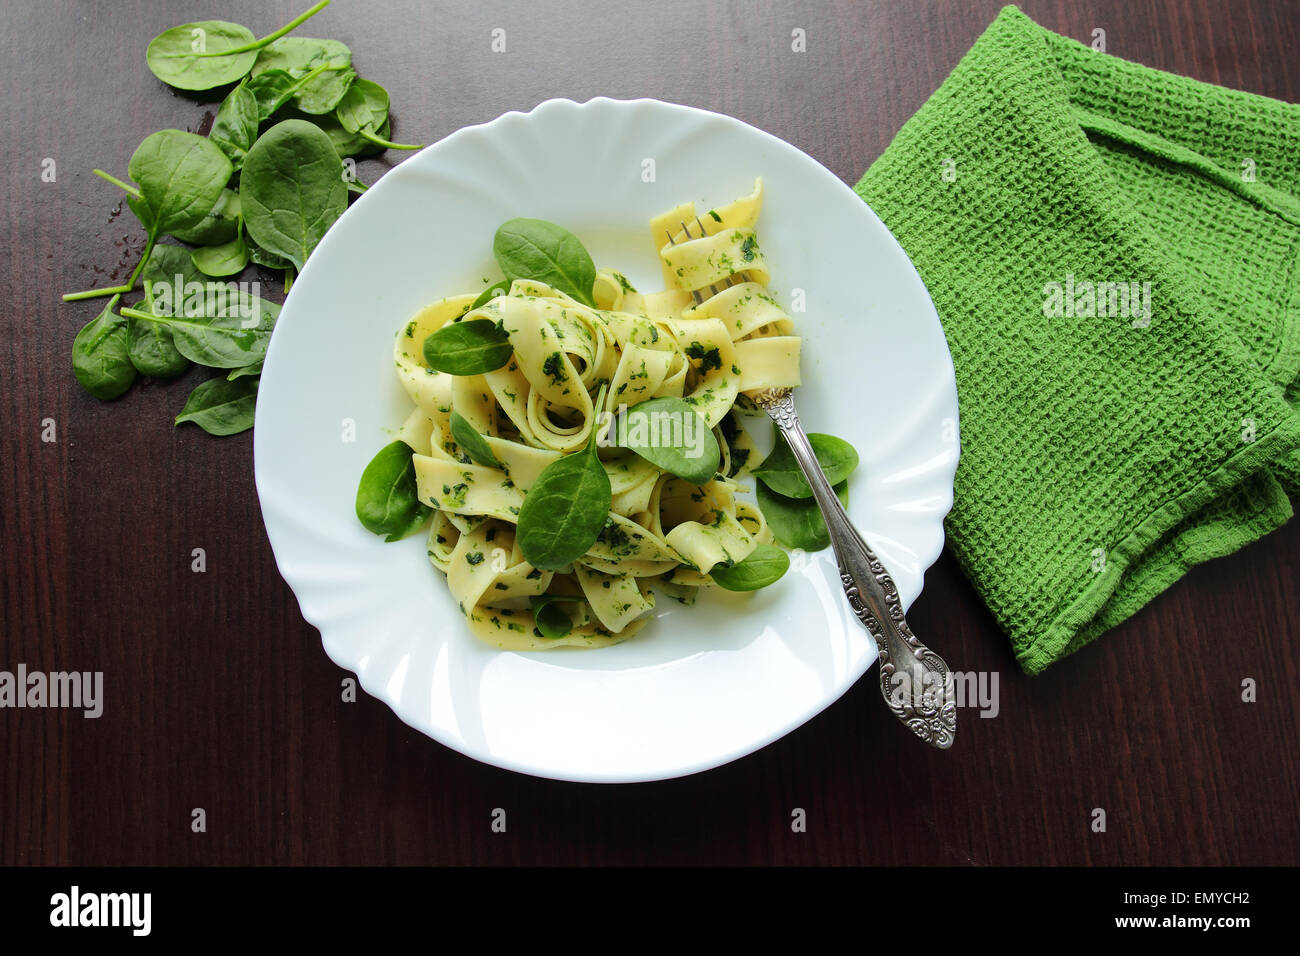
column 699, row 686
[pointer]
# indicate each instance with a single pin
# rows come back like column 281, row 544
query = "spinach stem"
column 131, row 313
column 154, row 317
column 95, row 293
column 380, row 141
column 315, row 72
column 125, row 187
column 144, row 257
column 288, row 279
column 111, row 290
column 269, row 38
column 296, row 21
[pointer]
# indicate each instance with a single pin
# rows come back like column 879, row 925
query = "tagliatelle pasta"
column 662, row 532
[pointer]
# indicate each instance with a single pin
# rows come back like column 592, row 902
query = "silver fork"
column 915, row 682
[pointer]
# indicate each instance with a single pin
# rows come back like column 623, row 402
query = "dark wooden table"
column 219, row 696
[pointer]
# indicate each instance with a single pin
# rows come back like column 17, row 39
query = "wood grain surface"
column 219, row 696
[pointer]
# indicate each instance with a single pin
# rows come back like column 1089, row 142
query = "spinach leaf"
column 263, row 258
column 235, row 128
column 566, row 508
column 231, row 330
column 150, row 344
column 227, row 259
column 181, row 177
column 292, row 188
column 153, row 352
column 183, row 56
column 270, row 91
column 221, row 407
column 491, row 292
column 354, row 144
column 471, row 442
column 254, row 369
column 468, row 348
column 764, row 565
column 363, row 111
column 364, row 107
column 797, row 522
column 540, row 250
column 168, row 265
column 274, row 88
column 209, row 53
column 100, row 359
column 299, row 56
column 323, row 91
column 671, row 434
column 220, row 225
column 781, row 472
column 344, row 143
column 551, row 620
column 388, row 501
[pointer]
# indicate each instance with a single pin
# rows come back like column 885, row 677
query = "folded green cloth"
column 1113, row 435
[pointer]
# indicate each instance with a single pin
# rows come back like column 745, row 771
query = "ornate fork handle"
column 914, row 680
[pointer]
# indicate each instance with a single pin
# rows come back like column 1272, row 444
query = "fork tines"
column 731, row 279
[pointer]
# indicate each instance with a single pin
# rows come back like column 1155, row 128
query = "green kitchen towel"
column 1112, row 251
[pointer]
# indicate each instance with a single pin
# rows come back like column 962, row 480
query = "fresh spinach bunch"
column 262, row 187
